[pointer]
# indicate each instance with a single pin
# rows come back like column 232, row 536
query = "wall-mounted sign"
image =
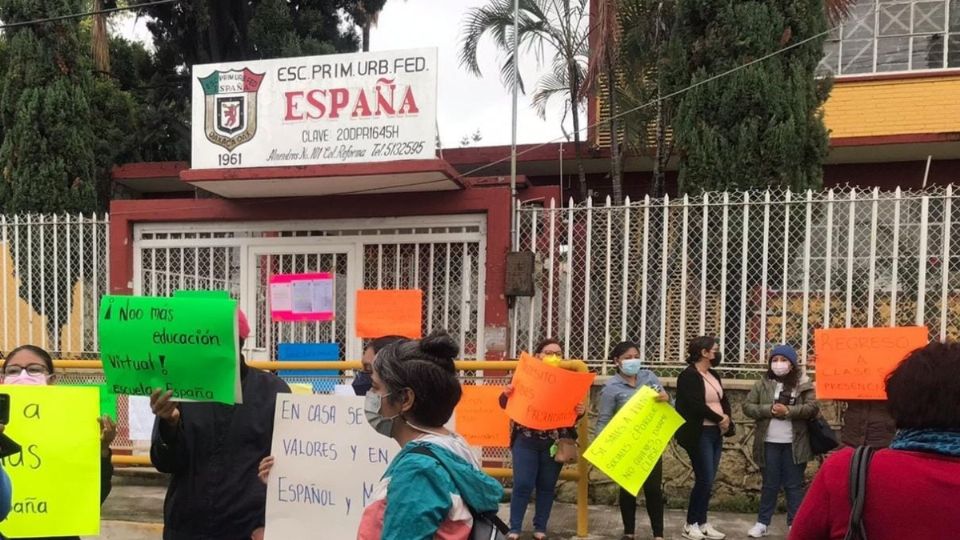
column 316, row 110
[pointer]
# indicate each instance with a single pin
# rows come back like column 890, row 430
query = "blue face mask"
column 631, row 367
column 362, row 383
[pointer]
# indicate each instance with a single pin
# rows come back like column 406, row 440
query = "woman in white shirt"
column 781, row 403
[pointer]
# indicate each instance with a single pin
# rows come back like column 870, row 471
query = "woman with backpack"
column 781, row 403
column 434, row 485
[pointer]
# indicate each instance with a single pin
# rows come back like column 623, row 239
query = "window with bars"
column 884, row 36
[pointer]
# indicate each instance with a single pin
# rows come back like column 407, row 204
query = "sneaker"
column 710, row 533
column 692, row 532
column 759, row 530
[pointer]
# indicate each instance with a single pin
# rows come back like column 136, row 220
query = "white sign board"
column 315, row 110
column 328, row 462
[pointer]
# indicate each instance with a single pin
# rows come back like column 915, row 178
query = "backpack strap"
column 859, row 467
column 491, row 516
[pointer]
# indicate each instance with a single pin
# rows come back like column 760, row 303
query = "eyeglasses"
column 32, row 369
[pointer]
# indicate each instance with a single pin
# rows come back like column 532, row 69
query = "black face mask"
column 362, row 383
column 717, row 359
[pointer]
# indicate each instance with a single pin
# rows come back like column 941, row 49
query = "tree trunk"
column 575, row 110
column 661, row 156
column 616, row 176
column 366, row 36
column 100, row 40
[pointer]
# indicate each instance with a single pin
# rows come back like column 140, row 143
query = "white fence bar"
column 587, row 280
column 664, row 252
column 684, row 243
column 643, row 277
column 895, row 257
column 552, row 261
column 744, row 263
column 607, row 281
column 945, row 263
column 922, row 259
column 872, row 281
column 851, row 238
column 762, row 345
column 807, row 241
column 703, row 264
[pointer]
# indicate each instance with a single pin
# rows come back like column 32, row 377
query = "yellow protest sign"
column 56, row 477
column 629, row 447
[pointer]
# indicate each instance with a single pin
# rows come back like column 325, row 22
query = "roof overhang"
column 322, row 180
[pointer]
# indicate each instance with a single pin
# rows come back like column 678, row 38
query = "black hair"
column 546, row 343
column 924, row 390
column 426, row 367
column 621, row 348
column 44, row 355
column 697, row 346
column 378, row 344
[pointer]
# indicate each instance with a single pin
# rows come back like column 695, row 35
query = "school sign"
column 318, row 110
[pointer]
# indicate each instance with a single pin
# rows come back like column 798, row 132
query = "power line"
column 673, row 94
column 85, row 14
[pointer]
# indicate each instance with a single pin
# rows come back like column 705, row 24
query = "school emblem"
column 230, row 108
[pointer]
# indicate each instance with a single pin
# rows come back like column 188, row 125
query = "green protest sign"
column 221, row 295
column 108, row 400
column 186, row 345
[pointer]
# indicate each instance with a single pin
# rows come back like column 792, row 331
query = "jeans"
column 533, row 467
column 653, row 493
column 779, row 471
column 705, row 459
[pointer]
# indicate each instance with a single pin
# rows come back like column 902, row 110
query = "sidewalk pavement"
column 135, row 513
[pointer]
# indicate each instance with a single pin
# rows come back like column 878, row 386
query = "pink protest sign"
column 301, row 297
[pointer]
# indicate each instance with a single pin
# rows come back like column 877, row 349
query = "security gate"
column 444, row 256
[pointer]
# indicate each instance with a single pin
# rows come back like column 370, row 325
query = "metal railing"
column 471, row 372
column 752, row 268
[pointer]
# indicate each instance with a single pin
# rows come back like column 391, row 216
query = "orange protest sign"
column 852, row 363
column 390, row 313
column 479, row 418
column 544, row 396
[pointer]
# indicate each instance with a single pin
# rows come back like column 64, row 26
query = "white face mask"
column 780, row 368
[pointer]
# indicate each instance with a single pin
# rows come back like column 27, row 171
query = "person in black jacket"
column 705, row 408
column 213, row 452
column 32, row 365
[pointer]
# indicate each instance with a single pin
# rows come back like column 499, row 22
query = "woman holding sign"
column 534, row 463
column 781, row 403
column 32, row 365
column 615, row 394
column 705, row 409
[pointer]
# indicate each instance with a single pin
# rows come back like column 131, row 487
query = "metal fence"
column 750, row 268
column 53, row 271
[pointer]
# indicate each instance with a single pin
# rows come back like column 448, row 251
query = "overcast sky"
column 466, row 103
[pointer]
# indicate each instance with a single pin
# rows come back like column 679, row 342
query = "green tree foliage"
column 760, row 126
column 49, row 144
column 204, row 31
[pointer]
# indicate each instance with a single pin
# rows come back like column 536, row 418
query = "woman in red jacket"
column 912, row 487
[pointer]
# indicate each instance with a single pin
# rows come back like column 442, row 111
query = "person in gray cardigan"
column 781, row 403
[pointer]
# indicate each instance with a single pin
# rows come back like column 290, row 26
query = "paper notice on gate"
column 302, row 297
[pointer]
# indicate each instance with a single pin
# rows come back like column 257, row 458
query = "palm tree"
column 558, row 26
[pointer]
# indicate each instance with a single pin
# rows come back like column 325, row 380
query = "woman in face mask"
column 781, row 403
column 32, row 365
column 630, row 377
column 431, row 486
column 533, row 452
column 705, row 409
column 362, row 382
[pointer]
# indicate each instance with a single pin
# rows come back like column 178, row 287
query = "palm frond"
column 837, row 10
